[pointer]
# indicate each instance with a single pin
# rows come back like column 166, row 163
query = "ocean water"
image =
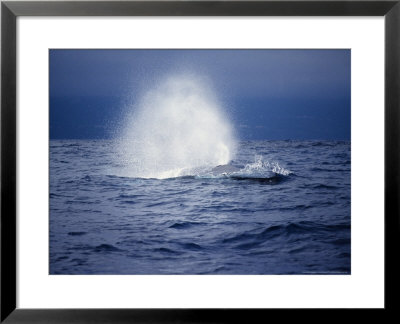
column 286, row 211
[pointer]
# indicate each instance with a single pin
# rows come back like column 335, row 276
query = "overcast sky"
column 268, row 94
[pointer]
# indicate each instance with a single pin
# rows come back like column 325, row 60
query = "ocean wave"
column 184, row 225
column 274, row 231
column 202, row 222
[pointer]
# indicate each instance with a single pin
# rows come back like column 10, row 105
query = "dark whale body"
column 233, row 172
column 271, row 178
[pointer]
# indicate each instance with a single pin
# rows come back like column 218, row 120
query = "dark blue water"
column 105, row 223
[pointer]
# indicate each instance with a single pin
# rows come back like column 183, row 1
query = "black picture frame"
column 10, row 10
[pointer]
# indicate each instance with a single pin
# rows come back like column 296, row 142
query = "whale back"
column 226, row 168
column 236, row 173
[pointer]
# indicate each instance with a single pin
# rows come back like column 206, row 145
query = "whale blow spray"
column 176, row 128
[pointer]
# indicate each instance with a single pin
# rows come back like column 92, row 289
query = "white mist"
column 176, row 128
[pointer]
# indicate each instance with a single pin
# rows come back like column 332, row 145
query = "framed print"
column 176, row 139
column 194, row 161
